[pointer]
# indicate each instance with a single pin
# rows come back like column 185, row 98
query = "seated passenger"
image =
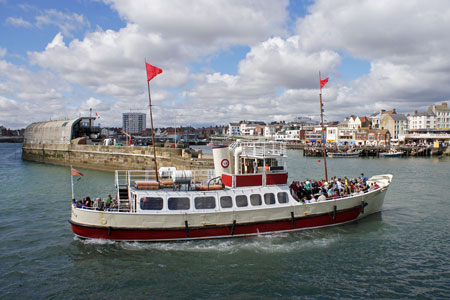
column 322, row 197
column 88, row 202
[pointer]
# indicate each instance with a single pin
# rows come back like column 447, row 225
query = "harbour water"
column 403, row 252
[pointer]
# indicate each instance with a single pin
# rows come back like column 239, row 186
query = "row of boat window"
column 209, row 202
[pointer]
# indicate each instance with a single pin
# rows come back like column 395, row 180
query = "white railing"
column 261, row 149
column 129, row 177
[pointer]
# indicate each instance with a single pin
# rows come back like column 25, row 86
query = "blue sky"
column 223, row 61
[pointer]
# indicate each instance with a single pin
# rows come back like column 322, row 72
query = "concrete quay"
column 111, row 158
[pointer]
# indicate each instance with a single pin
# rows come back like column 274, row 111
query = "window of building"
column 255, row 199
column 282, row 197
column 179, row 203
column 241, row 201
column 151, row 203
column 269, row 198
column 226, row 202
column 205, row 202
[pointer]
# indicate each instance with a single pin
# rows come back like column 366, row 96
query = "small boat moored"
column 348, row 154
column 392, row 153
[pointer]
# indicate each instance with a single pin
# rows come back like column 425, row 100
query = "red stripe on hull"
column 214, row 232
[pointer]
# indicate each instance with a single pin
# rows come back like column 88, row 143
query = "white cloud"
column 3, row 52
column 18, row 22
column 207, row 23
column 66, row 22
column 404, row 42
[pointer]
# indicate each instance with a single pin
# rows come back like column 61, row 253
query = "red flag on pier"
column 152, row 71
column 76, row 172
column 323, row 82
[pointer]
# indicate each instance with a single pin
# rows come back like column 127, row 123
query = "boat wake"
column 273, row 243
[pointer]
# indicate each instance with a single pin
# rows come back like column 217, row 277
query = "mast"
column 324, row 149
column 153, row 131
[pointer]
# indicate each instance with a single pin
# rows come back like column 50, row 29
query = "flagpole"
column 153, row 131
column 324, row 149
column 71, row 181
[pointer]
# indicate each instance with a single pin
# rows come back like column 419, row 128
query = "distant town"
column 386, row 127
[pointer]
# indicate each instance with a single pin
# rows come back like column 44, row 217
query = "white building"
column 247, row 128
column 234, row 129
column 421, row 120
column 442, row 113
column 133, row 122
column 270, row 131
column 292, row 133
column 332, row 134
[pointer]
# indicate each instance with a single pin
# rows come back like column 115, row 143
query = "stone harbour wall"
column 111, row 158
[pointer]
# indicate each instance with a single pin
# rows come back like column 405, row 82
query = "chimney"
column 444, row 104
column 393, row 111
column 415, row 112
column 382, row 111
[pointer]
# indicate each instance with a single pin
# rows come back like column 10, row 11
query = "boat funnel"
column 222, row 162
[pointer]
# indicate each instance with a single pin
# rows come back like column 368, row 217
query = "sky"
column 222, row 61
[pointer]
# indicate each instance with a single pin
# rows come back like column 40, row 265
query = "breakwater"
column 111, row 158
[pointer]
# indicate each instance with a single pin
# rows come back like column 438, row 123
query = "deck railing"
column 129, row 177
column 261, row 149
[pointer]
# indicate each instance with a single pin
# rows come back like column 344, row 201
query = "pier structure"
column 75, row 142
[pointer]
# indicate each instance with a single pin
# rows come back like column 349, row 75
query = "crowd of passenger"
column 98, row 204
column 311, row 191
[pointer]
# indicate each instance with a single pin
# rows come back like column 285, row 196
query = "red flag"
column 76, row 172
column 323, row 82
column 152, row 71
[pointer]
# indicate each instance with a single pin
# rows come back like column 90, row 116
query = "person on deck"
column 108, row 201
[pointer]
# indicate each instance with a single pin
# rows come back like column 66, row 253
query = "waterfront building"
column 250, row 127
column 234, row 129
column 292, row 134
column 133, row 122
column 421, row 120
column 372, row 137
column 442, row 113
column 270, row 130
column 314, row 136
column 376, row 118
column 395, row 123
column 332, row 134
column 425, row 136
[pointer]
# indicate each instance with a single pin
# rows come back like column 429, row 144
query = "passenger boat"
column 348, row 154
column 245, row 195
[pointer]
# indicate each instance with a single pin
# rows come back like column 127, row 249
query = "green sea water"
column 400, row 253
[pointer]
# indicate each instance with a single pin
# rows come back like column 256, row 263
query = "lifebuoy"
column 225, row 163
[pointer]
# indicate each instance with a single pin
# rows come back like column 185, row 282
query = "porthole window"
column 282, row 197
column 269, row 198
column 205, row 202
column 255, row 199
column 241, row 201
column 179, row 203
column 225, row 202
column 151, row 203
